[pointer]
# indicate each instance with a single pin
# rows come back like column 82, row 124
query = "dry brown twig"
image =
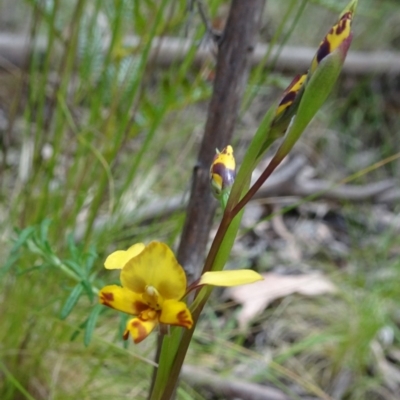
column 282, row 184
column 230, row 388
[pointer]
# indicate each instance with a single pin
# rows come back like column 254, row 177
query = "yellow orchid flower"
column 153, row 285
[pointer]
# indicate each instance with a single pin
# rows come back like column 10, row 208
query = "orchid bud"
column 222, row 172
column 286, row 109
column 289, row 95
column 324, row 71
column 337, row 40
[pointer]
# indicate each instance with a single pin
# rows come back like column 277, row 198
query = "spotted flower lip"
column 153, row 285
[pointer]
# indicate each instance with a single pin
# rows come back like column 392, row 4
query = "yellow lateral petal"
column 122, row 299
column 119, row 258
column 176, row 313
column 155, row 266
column 139, row 329
column 229, row 278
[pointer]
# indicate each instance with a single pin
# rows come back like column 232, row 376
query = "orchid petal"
column 176, row 313
column 119, row 258
column 139, row 329
column 122, row 299
column 229, row 278
column 155, row 266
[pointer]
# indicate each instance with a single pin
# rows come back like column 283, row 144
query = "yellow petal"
column 229, row 278
column 139, row 329
column 119, row 258
column 155, row 266
column 176, row 313
column 122, row 299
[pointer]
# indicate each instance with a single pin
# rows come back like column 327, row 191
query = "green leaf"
column 88, row 289
column 11, row 260
column 44, row 230
column 73, row 249
column 76, row 333
column 71, row 301
column 91, row 257
column 23, row 236
column 78, row 270
column 34, row 268
column 91, row 323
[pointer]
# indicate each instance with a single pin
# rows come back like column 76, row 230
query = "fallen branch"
column 230, row 388
column 14, row 50
column 326, row 190
column 283, row 183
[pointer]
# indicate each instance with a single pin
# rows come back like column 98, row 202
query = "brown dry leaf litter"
column 257, row 296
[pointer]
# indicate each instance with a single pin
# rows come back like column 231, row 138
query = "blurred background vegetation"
column 98, row 141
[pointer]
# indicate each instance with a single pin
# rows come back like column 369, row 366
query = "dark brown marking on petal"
column 294, row 81
column 227, row 174
column 342, row 24
column 139, row 306
column 323, row 50
column 184, row 320
column 108, row 296
column 142, row 333
column 288, row 98
column 125, row 335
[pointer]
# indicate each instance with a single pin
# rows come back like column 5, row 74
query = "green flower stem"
column 173, row 350
column 317, row 89
column 263, row 177
column 250, row 158
column 171, row 346
column 180, row 354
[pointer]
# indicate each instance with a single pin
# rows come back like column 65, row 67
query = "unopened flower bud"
column 222, row 171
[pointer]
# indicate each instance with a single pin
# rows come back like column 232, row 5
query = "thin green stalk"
column 85, row 143
column 15, row 381
column 124, row 120
column 39, row 101
column 25, row 189
column 65, row 73
column 174, row 351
